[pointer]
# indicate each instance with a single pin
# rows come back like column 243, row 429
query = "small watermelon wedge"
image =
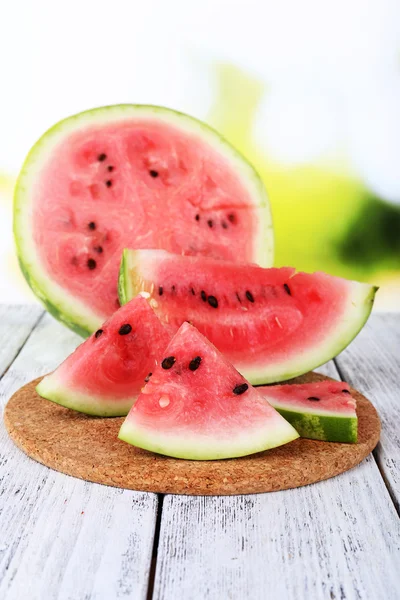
column 323, row 410
column 197, row 406
column 272, row 324
column 130, row 175
column 105, row 374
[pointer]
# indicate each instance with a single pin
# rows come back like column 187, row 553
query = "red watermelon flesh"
column 197, row 406
column 323, row 410
column 272, row 324
column 105, row 374
column 130, row 176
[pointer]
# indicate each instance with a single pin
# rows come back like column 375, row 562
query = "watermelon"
column 197, row 406
column 324, row 410
column 105, row 374
column 129, row 175
column 272, row 324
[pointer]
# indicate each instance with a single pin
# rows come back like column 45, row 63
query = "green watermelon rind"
column 63, row 305
column 52, row 389
column 124, row 290
column 196, row 448
column 327, row 428
column 359, row 308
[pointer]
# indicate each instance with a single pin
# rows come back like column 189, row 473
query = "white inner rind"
column 54, row 388
column 71, row 309
column 195, row 446
column 319, row 412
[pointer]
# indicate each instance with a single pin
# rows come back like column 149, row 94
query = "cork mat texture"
column 88, row 448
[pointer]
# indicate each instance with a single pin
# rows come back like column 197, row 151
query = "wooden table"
column 62, row 538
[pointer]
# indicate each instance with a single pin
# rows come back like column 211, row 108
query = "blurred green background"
column 325, row 218
column 309, row 92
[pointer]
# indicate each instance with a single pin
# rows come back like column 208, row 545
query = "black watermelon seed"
column 160, row 290
column 313, row 399
column 110, row 168
column 91, row 263
column 98, row 333
column 224, row 225
column 168, row 362
column 108, row 183
column 346, row 392
column 92, row 225
column 193, row 292
column 212, row 301
column 210, row 223
column 147, row 378
column 173, row 288
column 287, row 289
column 102, row 157
column 238, row 297
column 240, row 389
column 98, row 249
column 232, row 217
column 153, row 173
column 249, row 296
column 203, row 296
column 197, row 217
column 195, row 363
column 125, row 329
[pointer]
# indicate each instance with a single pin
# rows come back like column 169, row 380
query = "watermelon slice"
column 105, row 374
column 197, row 406
column 272, row 324
column 140, row 176
column 324, row 410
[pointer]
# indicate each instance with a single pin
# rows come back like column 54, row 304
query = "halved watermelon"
column 140, row 176
column 105, row 374
column 272, row 324
column 323, row 410
column 197, row 406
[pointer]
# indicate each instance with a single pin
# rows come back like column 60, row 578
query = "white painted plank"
column 329, row 370
column 333, row 540
column 337, row 539
column 372, row 365
column 16, row 323
column 62, row 538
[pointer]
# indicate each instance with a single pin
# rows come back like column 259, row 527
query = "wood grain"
column 336, row 540
column 16, row 324
column 62, row 538
column 89, row 448
column 372, row 364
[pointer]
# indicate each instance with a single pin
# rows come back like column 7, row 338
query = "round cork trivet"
column 88, row 448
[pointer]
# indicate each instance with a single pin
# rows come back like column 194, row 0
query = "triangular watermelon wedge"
column 197, row 406
column 105, row 374
column 322, row 410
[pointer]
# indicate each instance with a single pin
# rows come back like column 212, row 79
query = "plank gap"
column 152, row 574
column 19, row 349
column 377, row 457
column 339, row 369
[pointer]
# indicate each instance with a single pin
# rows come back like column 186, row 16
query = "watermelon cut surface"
column 272, row 324
column 324, row 410
column 105, row 374
column 197, row 406
column 139, row 176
